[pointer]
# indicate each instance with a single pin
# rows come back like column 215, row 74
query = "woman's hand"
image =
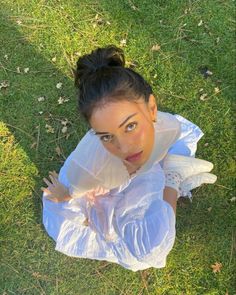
column 57, row 192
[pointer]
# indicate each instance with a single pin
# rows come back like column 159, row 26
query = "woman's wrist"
column 170, row 195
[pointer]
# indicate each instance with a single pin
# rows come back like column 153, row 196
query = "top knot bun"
column 109, row 56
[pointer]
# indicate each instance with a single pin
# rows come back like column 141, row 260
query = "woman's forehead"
column 115, row 113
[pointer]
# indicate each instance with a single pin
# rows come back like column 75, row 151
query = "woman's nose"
column 124, row 146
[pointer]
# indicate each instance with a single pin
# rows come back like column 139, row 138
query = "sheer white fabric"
column 90, row 165
column 113, row 216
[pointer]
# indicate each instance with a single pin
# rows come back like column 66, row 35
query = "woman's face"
column 126, row 129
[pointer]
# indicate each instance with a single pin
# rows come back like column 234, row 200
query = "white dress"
column 114, row 216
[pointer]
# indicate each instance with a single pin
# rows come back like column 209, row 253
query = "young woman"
column 115, row 196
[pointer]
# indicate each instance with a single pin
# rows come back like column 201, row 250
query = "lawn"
column 186, row 50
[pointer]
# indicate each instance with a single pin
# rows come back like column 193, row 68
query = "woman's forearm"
column 170, row 196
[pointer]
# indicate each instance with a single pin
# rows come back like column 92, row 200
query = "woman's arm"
column 170, row 196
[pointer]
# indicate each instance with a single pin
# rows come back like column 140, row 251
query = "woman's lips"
column 134, row 157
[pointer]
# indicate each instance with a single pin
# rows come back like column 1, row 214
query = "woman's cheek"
column 139, row 137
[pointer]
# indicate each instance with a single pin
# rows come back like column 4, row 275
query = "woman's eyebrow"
column 127, row 119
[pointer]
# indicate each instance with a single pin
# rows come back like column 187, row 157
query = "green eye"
column 131, row 126
column 106, row 138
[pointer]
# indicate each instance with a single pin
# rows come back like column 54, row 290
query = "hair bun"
column 109, row 56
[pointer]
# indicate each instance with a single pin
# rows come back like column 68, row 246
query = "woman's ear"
column 152, row 107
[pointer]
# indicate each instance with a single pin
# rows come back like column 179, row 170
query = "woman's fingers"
column 46, row 181
column 53, row 180
column 46, row 190
column 53, row 173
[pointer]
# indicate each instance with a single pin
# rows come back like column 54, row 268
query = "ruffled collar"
column 167, row 130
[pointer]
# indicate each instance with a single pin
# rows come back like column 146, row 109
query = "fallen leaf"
column 206, row 144
column 59, row 85
column 64, row 122
column 216, row 267
column 64, row 129
column 58, row 150
column 217, row 40
column 18, row 70
column 216, row 90
column 33, row 145
column 156, row 47
column 205, row 71
column 41, row 98
column 123, row 43
column 99, row 20
column 209, row 73
column 60, row 100
column 200, row 23
column 203, row 96
column 4, row 84
column 49, row 129
column 187, row 10
column 209, row 209
column 26, row 70
column 133, row 6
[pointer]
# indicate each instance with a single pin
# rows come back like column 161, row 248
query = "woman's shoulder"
column 167, row 121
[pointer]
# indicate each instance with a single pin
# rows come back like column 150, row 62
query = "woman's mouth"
column 134, row 157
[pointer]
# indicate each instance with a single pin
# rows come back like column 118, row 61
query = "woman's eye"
column 131, row 126
column 106, row 138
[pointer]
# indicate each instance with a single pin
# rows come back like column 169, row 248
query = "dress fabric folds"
column 119, row 218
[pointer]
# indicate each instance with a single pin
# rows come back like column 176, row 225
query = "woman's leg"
column 170, row 196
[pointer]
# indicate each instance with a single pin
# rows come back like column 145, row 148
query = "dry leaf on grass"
column 64, row 129
column 49, row 128
column 41, row 98
column 58, row 150
column 156, row 47
column 203, row 96
column 62, row 99
column 59, row 85
column 4, row 84
column 216, row 267
column 123, row 42
column 200, row 23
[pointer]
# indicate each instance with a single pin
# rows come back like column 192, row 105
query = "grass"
column 191, row 35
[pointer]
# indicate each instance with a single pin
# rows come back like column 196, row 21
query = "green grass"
column 32, row 33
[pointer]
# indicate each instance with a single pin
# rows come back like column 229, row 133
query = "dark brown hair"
column 102, row 77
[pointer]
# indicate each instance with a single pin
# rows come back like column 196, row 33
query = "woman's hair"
column 102, row 77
